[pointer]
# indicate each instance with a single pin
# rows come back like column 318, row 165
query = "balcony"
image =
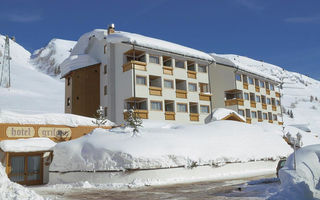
column 248, row 120
column 157, row 91
column 257, row 88
column 245, row 86
column 143, row 114
column 231, row 102
column 260, row 120
column 134, row 64
column 253, row 104
column 205, row 97
column 192, row 74
column 280, row 123
column 181, row 94
column 167, row 70
column 270, row 121
column 194, row 117
column 264, row 106
column 274, row 108
column 277, row 94
column 267, row 91
column 170, row 115
column 169, row 110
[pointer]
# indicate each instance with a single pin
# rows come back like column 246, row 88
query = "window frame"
column 250, row 78
column 141, row 76
column 105, row 71
column 254, row 115
column 195, row 84
column 155, row 101
column 244, row 96
column 168, row 80
column 185, row 104
column 105, row 90
column 177, row 60
column 238, row 75
column 155, row 56
column 201, row 67
column 241, row 110
column 208, row 107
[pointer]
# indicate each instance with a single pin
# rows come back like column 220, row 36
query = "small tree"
column 133, row 121
column 100, row 117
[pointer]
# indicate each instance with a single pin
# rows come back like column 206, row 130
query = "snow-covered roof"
column 245, row 64
column 27, row 145
column 52, row 118
column 221, row 113
column 79, row 57
column 74, row 62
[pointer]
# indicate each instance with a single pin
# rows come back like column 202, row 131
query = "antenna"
column 5, row 69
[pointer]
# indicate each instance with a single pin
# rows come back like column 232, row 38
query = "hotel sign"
column 18, row 132
column 54, row 132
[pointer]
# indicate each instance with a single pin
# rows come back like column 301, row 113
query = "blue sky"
column 282, row 32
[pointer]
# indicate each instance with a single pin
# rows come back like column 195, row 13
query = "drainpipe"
column 235, row 85
column 134, row 79
column 280, row 88
column 211, row 107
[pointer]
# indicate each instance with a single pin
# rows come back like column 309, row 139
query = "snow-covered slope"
column 297, row 90
column 31, row 91
column 49, row 58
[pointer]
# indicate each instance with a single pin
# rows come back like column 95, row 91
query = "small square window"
column 156, row 105
column 246, row 96
column 251, row 81
column 265, row 116
column 258, row 99
column 241, row 112
column 105, row 111
column 204, row 109
column 168, row 83
column 154, row 59
column 238, row 77
column 254, row 114
column 202, row 68
column 68, row 101
column 105, row 69
column 141, row 80
column 179, row 64
column 181, row 107
column 105, row 90
column 192, row 87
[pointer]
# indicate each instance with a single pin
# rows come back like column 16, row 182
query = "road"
column 250, row 189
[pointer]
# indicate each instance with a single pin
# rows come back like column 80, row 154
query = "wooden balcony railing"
column 205, row 97
column 270, row 121
column 245, row 86
column 134, row 64
column 143, row 114
column 170, row 115
column 248, row 120
column 267, row 91
column 231, row 102
column 257, row 88
column 253, row 104
column 167, row 70
column 264, row 106
column 194, row 117
column 181, row 94
column 157, row 91
column 277, row 94
column 274, row 108
column 260, row 120
column 280, row 123
column 192, row 74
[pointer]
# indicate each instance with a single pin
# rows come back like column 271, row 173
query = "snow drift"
column 164, row 145
column 304, row 182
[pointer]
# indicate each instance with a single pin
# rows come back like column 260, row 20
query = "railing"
column 260, row 120
column 205, row 97
column 231, row 102
column 280, row 123
column 194, row 117
column 248, row 120
column 270, row 121
column 167, row 70
column 192, row 74
column 245, row 86
column 143, row 114
column 268, row 91
column 157, row 91
column 134, row 64
column 181, row 94
column 274, row 108
column 257, row 88
column 277, row 94
column 264, row 106
column 170, row 115
column 253, row 104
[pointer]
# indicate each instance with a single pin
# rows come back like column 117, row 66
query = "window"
column 268, row 101
column 179, row 64
column 246, row 96
column 141, row 80
column 259, row 115
column 69, row 80
column 181, row 107
column 262, row 84
column 265, row 116
column 267, row 85
column 68, row 101
column 105, row 111
column 105, row 90
column 254, row 114
column 167, row 61
column 258, row 99
column 154, row 59
column 204, row 88
column 105, row 49
column 238, row 77
column 192, row 87
column 168, row 83
column 278, row 103
column 156, row 105
column 248, row 113
column 202, row 68
column 245, row 78
column 241, row 112
column 105, row 69
column 251, row 81
column 275, row 117
column 204, row 109
column 271, row 87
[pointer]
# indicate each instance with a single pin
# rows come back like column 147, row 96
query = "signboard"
column 16, row 132
column 54, row 132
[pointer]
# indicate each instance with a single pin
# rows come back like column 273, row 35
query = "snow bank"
column 52, row 118
column 220, row 113
column 27, row 145
column 170, row 145
column 304, row 182
column 10, row 190
column 76, row 62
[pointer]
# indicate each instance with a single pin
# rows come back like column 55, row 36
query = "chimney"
column 111, row 29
